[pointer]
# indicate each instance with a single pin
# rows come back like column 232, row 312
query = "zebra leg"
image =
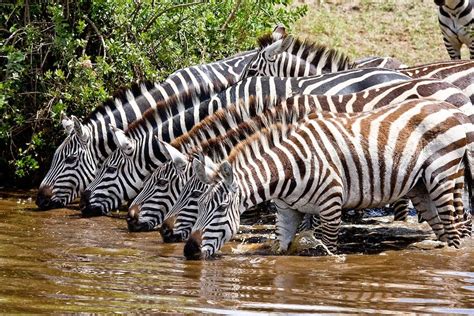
column 331, row 218
column 422, row 202
column 313, row 223
column 442, row 196
column 462, row 218
column 400, row 210
column 287, row 222
column 453, row 46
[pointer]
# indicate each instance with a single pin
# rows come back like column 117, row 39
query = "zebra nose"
column 192, row 248
column 88, row 209
column 133, row 212
column 43, row 199
column 85, row 198
column 166, row 230
column 133, row 219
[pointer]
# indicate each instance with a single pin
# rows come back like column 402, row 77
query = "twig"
column 231, row 15
column 98, row 33
column 182, row 5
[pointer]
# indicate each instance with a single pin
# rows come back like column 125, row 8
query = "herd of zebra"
column 293, row 122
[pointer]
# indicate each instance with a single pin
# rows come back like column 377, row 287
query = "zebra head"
column 160, row 191
column 264, row 63
column 180, row 219
column 116, row 180
column 269, row 44
column 218, row 216
column 72, row 168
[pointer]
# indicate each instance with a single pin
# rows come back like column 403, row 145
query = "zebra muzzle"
column 192, row 248
column 44, row 201
column 133, row 220
column 167, row 231
column 88, row 209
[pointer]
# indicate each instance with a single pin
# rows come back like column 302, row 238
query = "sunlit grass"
column 406, row 30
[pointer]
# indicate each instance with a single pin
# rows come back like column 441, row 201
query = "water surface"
column 56, row 261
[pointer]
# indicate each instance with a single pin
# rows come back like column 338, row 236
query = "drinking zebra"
column 329, row 162
column 138, row 153
column 160, row 192
column 76, row 160
column 456, row 19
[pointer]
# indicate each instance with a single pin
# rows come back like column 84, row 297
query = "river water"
column 56, row 261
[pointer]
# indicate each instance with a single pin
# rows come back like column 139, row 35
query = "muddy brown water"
column 56, row 261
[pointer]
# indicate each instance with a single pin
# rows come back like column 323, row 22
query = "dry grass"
column 407, row 30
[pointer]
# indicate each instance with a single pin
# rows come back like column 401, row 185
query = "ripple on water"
column 56, row 261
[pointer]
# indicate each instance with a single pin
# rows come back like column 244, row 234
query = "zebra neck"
column 197, row 81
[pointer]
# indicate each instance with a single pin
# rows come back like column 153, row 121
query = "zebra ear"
column 226, row 173
column 67, row 123
column 79, row 129
column 171, row 153
column 279, row 32
column 122, row 141
column 204, row 174
column 278, row 47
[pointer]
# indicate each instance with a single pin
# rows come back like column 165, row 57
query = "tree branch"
column 96, row 30
column 231, row 15
column 156, row 16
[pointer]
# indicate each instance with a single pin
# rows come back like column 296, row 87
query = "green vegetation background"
column 72, row 55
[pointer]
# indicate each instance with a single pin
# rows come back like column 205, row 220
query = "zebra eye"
column 161, row 182
column 70, row 159
column 111, row 169
column 196, row 194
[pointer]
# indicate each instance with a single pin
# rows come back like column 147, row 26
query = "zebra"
column 296, row 58
column 138, row 153
column 455, row 19
column 329, row 162
column 150, row 206
column 301, row 63
column 88, row 144
column 379, row 62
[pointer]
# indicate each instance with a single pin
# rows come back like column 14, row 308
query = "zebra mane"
column 310, row 47
column 120, row 94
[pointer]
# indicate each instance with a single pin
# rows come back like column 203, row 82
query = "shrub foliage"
column 71, row 55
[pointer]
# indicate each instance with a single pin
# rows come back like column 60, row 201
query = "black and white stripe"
column 139, row 153
column 329, row 162
column 456, row 19
column 76, row 160
column 149, row 208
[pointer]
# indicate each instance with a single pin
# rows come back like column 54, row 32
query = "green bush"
column 71, row 55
